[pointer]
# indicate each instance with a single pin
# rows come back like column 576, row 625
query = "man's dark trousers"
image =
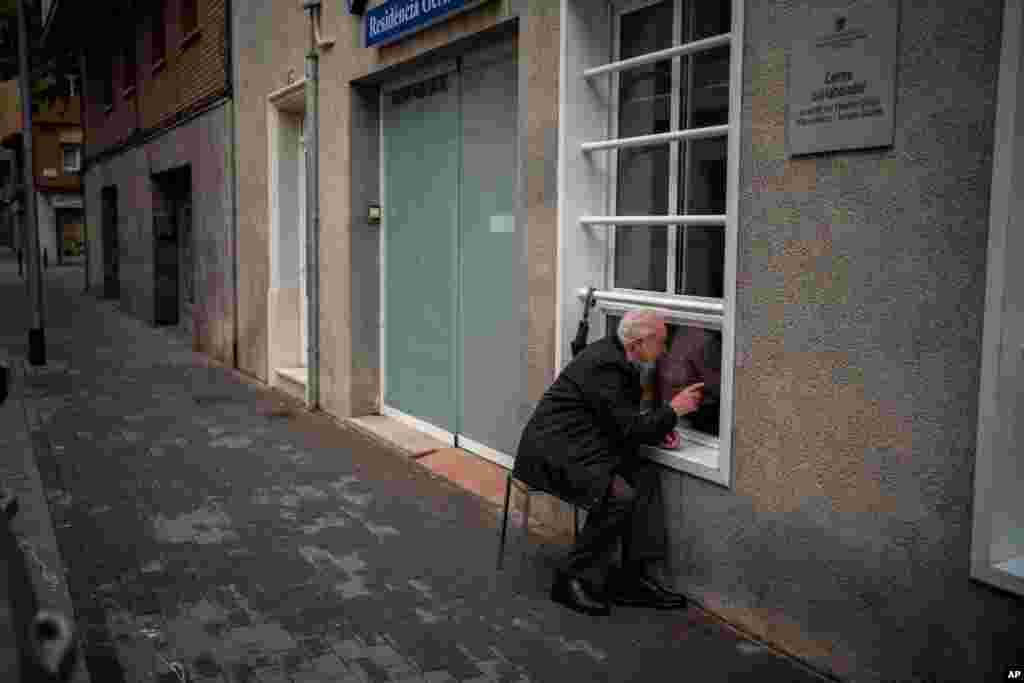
column 633, row 514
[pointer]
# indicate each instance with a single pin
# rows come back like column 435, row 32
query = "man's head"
column 643, row 334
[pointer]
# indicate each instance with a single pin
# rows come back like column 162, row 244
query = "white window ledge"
column 698, row 454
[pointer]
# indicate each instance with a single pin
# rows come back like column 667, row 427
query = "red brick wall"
column 191, row 72
column 47, row 153
column 106, row 127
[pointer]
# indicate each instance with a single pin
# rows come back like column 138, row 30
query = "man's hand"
column 687, row 400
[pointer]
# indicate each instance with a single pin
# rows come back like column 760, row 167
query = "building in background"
column 57, row 152
column 157, row 176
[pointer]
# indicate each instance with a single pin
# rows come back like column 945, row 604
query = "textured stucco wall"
column 860, row 299
column 270, row 42
column 201, row 143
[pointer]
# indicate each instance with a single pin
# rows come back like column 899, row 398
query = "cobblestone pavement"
column 210, row 526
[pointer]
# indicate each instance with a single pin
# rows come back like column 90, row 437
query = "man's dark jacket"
column 590, row 420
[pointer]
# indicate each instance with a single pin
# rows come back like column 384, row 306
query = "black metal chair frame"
column 528, row 490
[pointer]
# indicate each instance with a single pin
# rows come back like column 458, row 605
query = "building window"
column 661, row 205
column 684, row 177
column 72, row 155
column 158, row 32
column 189, row 16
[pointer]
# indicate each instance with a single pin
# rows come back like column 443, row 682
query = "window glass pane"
column 701, row 262
column 710, row 18
column 641, row 257
column 645, row 92
column 700, row 256
column 702, row 168
column 706, row 102
column 694, row 355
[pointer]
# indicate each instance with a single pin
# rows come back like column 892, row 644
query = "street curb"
column 32, row 526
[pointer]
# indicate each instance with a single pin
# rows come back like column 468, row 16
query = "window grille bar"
column 658, row 138
column 668, row 53
column 656, row 300
column 687, row 219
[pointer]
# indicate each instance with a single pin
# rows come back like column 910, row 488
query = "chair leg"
column 504, row 520
column 526, row 518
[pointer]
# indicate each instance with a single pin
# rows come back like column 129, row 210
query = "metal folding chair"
column 577, row 345
column 528, row 491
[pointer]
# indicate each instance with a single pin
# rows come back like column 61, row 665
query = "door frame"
column 285, row 107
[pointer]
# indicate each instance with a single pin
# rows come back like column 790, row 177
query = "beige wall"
column 271, row 40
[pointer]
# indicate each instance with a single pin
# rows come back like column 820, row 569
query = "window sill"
column 191, row 37
column 159, row 64
column 698, row 454
column 128, row 92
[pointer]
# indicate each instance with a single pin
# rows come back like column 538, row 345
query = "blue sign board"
column 394, row 19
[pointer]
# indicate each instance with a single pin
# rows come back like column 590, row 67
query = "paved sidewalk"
column 208, row 523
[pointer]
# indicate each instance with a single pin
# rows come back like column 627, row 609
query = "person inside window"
column 694, row 355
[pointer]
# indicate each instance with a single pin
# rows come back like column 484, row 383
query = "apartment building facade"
column 56, row 164
column 158, row 166
column 819, row 196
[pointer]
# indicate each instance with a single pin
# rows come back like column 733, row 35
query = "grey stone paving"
column 207, row 523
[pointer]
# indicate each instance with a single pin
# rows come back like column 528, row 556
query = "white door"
column 303, row 308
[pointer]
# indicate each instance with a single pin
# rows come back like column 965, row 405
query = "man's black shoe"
column 642, row 591
column 650, row 581
column 572, row 593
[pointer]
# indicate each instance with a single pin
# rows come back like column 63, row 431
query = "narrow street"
column 207, row 521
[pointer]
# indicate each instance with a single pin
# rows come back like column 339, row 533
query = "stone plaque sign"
column 842, row 74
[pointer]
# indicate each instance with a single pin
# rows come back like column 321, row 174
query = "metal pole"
column 312, row 220
column 81, row 172
column 36, row 333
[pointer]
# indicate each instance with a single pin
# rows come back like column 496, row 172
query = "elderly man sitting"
column 581, row 443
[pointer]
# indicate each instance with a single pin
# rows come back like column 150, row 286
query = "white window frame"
column 995, row 438
column 77, row 150
column 701, row 455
